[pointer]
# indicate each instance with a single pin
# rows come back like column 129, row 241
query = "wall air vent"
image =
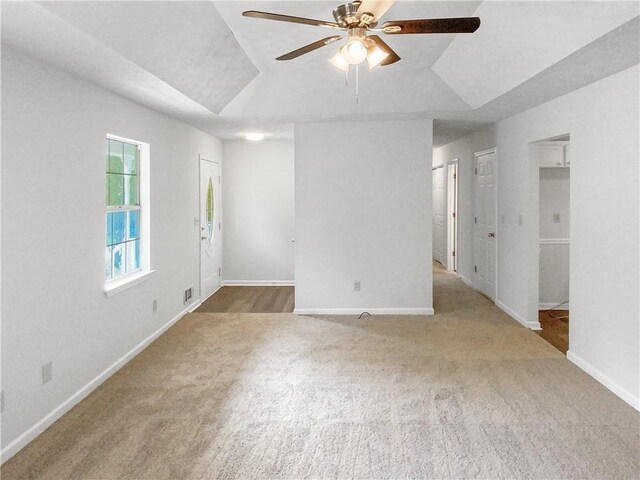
column 188, row 293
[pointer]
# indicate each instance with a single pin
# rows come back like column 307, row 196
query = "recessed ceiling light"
column 254, row 136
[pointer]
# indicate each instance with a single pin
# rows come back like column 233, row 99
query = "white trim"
column 258, row 283
column 553, row 306
column 532, row 325
column 625, row 395
column 117, row 286
column 211, row 295
column 357, row 311
column 485, row 152
column 466, row 281
column 23, row 440
column 554, row 241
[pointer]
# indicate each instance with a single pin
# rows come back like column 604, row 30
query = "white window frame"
column 144, row 179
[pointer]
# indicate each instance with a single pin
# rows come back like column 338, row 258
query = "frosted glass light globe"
column 354, row 52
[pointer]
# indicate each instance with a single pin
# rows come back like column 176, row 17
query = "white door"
column 484, row 238
column 438, row 214
column 210, row 228
column 452, row 217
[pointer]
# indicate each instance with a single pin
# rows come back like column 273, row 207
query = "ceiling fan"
column 359, row 19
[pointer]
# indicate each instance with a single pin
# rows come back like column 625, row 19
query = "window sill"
column 118, row 286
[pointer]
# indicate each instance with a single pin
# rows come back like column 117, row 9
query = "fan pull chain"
column 357, row 82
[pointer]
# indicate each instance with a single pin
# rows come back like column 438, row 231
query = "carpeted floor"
column 468, row 393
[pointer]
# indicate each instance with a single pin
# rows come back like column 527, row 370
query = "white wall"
column 53, row 202
column 363, row 213
column 554, row 255
column 258, row 199
column 602, row 120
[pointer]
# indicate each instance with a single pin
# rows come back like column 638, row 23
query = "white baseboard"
column 358, row 311
column 625, row 395
column 547, row 306
column 202, row 300
column 466, row 281
column 258, row 283
column 23, row 440
column 532, row 325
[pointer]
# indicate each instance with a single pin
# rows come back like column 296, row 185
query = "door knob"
column 204, row 238
column 492, row 234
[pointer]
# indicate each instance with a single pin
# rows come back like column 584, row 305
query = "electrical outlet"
column 2, row 401
column 556, row 218
column 520, row 219
column 502, row 218
column 155, row 305
column 47, row 372
column 356, row 286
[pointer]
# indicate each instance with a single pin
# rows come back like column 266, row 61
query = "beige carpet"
column 468, row 393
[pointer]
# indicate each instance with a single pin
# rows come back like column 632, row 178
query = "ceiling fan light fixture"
column 354, row 52
column 375, row 56
column 339, row 62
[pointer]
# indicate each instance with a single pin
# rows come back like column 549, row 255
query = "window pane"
column 130, row 158
column 118, row 226
column 133, row 255
column 134, row 224
column 117, row 260
column 115, row 163
column 109, row 228
column 116, row 189
column 210, row 211
column 130, row 190
column 108, row 261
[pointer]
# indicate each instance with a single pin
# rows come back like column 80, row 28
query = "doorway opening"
column 552, row 157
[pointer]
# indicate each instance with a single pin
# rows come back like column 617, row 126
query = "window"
column 124, row 211
column 210, row 212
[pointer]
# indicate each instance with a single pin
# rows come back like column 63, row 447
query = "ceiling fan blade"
column 290, row 19
column 373, row 9
column 309, row 48
column 393, row 56
column 434, row 25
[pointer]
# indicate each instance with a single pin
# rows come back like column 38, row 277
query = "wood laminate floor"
column 250, row 300
column 555, row 328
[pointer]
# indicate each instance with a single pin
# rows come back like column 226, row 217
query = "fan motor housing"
column 345, row 15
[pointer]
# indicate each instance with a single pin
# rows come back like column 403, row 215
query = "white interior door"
column 438, row 215
column 452, row 217
column 484, row 238
column 210, row 228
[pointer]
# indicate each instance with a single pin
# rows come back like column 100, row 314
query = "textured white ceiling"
column 518, row 40
column 196, row 58
column 186, row 44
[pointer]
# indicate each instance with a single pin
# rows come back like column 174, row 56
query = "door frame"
column 202, row 158
column 452, row 214
column 496, row 223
